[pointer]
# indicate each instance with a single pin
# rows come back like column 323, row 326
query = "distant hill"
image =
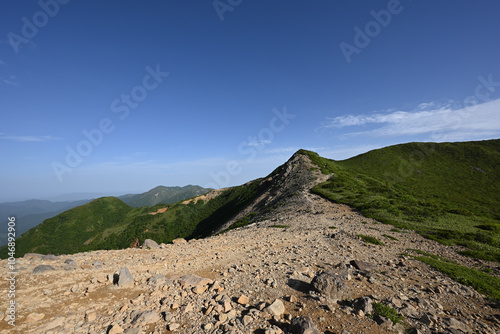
column 446, row 191
column 33, row 212
column 30, row 213
column 164, row 195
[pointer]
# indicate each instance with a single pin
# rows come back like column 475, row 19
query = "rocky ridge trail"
column 299, row 268
column 257, row 279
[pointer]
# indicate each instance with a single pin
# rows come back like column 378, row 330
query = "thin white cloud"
column 28, row 138
column 442, row 123
column 259, row 142
column 11, row 80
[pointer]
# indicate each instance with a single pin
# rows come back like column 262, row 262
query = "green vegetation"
column 476, row 279
column 333, row 227
column 165, row 195
column 242, row 221
column 447, row 191
column 380, row 309
column 371, row 240
column 109, row 223
column 390, row 237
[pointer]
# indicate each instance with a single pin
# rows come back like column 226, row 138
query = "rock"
column 125, row 278
column 409, row 311
column 227, row 306
column 42, row 268
column 363, row 266
column 146, row 318
column 457, row 325
column 97, row 264
column 34, row 317
column 58, row 322
column 173, row 326
column 243, row 300
column 425, row 319
column 148, row 243
column 90, row 316
column 31, row 256
column 189, row 308
column 383, row 321
column 115, row 330
column 273, row 330
column 70, row 262
column 179, row 241
column 199, row 289
column 364, row 304
column 246, row 320
column 137, row 330
column 157, row 279
column 331, row 285
column 304, row 325
column 194, row 280
column 49, row 257
column 276, row 308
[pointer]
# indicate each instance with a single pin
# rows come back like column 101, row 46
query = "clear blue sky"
column 219, row 93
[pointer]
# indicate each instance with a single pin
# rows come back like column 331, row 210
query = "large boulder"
column 124, row 278
column 195, row 280
column 148, row 243
column 364, row 304
column 276, row 308
column 42, row 268
column 304, row 325
column 331, row 285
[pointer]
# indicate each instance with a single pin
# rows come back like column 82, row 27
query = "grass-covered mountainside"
column 162, row 194
column 447, row 191
column 109, row 223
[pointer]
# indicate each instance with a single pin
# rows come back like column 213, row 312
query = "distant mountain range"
column 445, row 191
column 31, row 213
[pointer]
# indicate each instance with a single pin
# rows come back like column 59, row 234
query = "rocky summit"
column 307, row 266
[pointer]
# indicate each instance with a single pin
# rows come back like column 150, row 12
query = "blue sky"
column 122, row 96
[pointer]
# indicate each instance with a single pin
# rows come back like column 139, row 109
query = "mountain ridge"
column 369, row 182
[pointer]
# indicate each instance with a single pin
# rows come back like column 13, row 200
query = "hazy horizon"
column 118, row 97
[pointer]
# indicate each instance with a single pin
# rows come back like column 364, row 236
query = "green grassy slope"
column 109, row 223
column 446, row 191
column 165, row 195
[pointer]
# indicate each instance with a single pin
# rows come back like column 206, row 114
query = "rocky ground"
column 301, row 270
